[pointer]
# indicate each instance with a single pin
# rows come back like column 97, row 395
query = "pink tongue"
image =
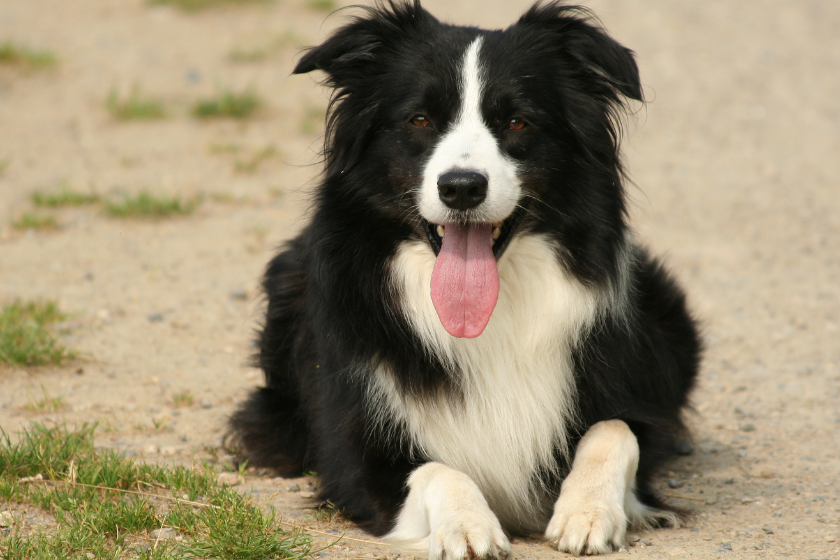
column 465, row 280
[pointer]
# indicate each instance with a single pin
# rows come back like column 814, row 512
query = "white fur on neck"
column 516, row 378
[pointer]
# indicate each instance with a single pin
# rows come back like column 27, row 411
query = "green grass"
column 321, row 5
column 105, row 506
column 147, row 205
column 25, row 338
column 29, row 220
column 16, row 55
column 198, row 5
column 135, row 106
column 183, row 398
column 228, row 104
column 63, row 197
column 252, row 163
column 46, row 403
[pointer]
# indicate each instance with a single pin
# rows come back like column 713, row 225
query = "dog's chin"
column 501, row 233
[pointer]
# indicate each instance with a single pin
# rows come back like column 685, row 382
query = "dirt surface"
column 737, row 167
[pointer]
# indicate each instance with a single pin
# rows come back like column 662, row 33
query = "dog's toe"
column 462, row 540
column 593, row 529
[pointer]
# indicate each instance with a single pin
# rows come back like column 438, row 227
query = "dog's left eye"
column 516, row 123
column 420, row 121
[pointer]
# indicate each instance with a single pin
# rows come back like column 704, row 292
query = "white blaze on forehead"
column 469, row 145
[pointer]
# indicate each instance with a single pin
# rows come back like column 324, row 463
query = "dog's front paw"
column 475, row 535
column 586, row 526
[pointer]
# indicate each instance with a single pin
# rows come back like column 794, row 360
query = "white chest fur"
column 516, row 377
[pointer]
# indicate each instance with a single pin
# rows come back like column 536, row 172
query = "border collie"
column 465, row 342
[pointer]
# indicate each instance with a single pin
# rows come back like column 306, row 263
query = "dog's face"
column 468, row 136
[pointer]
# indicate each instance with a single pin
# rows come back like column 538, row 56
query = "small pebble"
column 747, row 428
column 239, row 294
column 725, row 546
column 676, row 483
column 684, row 447
column 164, row 533
column 184, row 437
column 142, row 548
column 6, row 519
column 150, row 450
column 767, row 530
column 746, row 500
column 154, row 317
column 90, row 555
column 307, row 494
column 206, row 404
column 293, row 487
column 129, row 453
column 646, row 542
column 728, row 480
column 229, row 479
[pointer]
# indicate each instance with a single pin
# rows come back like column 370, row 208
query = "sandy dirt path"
column 738, row 174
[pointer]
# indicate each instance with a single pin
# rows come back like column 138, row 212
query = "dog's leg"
column 597, row 499
column 446, row 517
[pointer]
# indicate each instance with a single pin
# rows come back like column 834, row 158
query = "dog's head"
column 468, row 137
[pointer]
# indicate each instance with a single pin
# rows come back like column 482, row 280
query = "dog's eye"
column 420, row 120
column 516, row 124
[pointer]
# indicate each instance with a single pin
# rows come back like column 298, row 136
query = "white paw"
column 586, row 526
column 474, row 535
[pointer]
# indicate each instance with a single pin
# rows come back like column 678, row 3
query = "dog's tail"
column 269, row 431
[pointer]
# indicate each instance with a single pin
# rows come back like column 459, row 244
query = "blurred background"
column 155, row 153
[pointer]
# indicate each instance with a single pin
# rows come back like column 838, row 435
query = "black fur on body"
column 333, row 313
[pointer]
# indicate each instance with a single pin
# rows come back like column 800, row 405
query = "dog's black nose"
column 462, row 190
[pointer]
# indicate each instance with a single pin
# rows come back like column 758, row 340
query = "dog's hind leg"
column 597, row 499
column 445, row 516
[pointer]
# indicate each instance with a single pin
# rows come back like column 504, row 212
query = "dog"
column 465, row 342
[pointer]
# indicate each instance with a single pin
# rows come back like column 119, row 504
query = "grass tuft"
column 135, row 106
column 40, row 222
column 62, row 197
column 321, row 5
column 198, row 5
column 105, row 506
column 147, row 205
column 25, row 339
column 15, row 55
column 229, row 104
column 252, row 163
column 183, row 399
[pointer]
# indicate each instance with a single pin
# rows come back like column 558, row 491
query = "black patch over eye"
column 420, row 121
column 516, row 123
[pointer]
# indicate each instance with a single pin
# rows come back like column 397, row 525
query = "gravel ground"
column 735, row 159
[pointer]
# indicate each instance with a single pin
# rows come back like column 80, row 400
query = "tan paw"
column 581, row 527
column 472, row 536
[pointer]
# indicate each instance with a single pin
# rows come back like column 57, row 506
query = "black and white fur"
column 553, row 420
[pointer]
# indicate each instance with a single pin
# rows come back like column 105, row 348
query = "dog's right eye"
column 420, row 121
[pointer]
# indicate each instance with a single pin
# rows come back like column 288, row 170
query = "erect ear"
column 584, row 39
column 352, row 50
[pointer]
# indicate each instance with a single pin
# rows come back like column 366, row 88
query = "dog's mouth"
column 500, row 234
column 465, row 279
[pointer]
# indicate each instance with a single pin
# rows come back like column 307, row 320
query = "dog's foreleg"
column 597, row 497
column 446, row 517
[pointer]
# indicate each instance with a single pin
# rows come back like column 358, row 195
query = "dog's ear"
column 579, row 35
column 352, row 51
